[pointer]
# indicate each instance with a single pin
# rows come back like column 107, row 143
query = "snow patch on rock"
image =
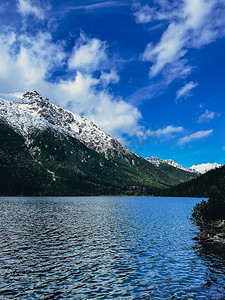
column 203, row 168
column 30, row 111
column 157, row 162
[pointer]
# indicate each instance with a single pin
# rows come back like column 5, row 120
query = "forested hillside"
column 201, row 186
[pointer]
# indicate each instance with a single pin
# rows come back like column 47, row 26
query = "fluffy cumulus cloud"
column 28, row 62
column 88, row 54
column 185, row 91
column 207, row 116
column 191, row 24
column 195, row 136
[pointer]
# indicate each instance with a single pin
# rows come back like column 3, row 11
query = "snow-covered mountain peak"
column 203, row 168
column 31, row 111
column 157, row 161
column 34, row 97
column 200, row 169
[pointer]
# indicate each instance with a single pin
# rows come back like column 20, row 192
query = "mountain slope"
column 46, row 150
column 19, row 173
column 54, row 164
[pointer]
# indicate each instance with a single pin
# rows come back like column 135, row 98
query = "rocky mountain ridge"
column 157, row 162
column 199, row 169
column 30, row 111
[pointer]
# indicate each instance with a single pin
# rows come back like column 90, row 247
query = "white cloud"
column 192, row 24
column 99, row 5
column 109, row 77
column 27, row 63
column 141, row 135
column 185, row 90
column 195, row 136
column 143, row 14
column 179, row 69
column 207, row 116
column 88, row 54
column 27, row 60
column 167, row 132
column 113, row 115
column 26, row 7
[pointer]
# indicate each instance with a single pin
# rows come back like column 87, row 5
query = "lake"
column 104, row 248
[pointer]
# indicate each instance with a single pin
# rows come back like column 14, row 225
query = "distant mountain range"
column 48, row 150
column 157, row 162
column 201, row 169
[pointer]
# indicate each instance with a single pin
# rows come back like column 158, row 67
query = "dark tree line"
column 201, row 186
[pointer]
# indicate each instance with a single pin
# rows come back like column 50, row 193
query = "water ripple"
column 104, row 248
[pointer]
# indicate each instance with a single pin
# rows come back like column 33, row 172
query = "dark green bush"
column 212, row 209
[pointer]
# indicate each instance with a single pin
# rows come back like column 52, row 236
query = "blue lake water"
column 104, row 248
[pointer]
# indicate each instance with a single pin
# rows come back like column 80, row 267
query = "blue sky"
column 150, row 73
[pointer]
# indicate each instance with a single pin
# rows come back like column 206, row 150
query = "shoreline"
column 94, row 196
column 213, row 235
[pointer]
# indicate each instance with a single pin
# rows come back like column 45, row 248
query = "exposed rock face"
column 213, row 234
